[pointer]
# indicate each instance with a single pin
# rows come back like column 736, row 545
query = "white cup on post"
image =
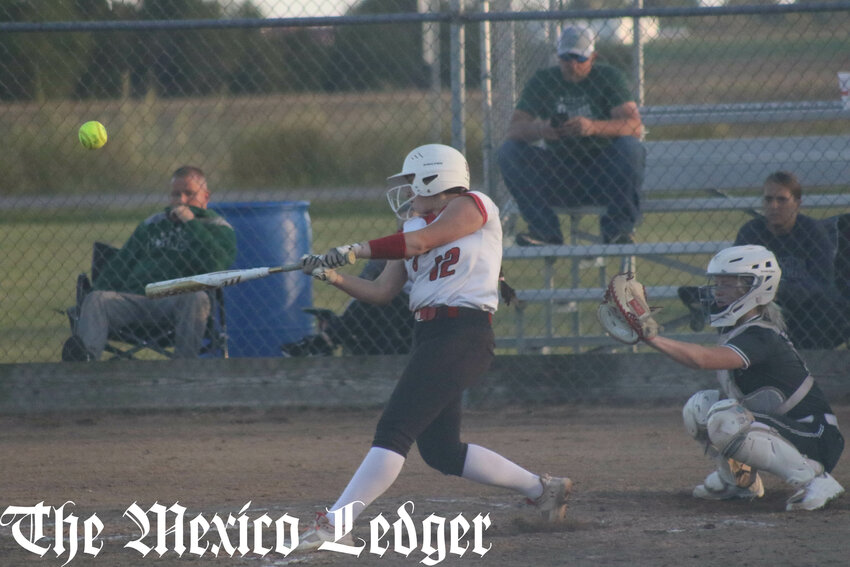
column 844, row 86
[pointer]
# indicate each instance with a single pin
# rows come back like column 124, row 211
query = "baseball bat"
column 212, row 280
column 215, row 280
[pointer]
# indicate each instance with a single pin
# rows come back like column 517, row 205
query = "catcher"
column 770, row 415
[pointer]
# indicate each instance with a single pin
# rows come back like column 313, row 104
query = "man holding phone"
column 592, row 155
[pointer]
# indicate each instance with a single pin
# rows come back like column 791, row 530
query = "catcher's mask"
column 427, row 170
column 740, row 278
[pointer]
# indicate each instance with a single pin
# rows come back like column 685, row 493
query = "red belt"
column 448, row 312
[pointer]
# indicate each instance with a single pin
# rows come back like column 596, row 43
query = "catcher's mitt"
column 625, row 313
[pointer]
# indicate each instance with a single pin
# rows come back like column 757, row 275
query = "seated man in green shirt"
column 590, row 124
column 183, row 240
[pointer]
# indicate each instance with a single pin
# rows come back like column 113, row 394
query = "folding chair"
column 128, row 341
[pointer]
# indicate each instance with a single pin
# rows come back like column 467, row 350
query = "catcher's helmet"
column 757, row 268
column 427, row 170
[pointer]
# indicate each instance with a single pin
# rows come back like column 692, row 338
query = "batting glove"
column 310, row 262
column 340, row 256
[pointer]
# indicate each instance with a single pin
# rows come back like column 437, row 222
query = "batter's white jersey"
column 463, row 273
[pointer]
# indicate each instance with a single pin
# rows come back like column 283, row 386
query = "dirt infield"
column 633, row 470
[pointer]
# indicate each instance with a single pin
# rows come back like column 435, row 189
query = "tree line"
column 176, row 63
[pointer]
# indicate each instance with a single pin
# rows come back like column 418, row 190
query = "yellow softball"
column 92, row 135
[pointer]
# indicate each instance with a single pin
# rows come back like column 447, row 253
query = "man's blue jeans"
column 538, row 180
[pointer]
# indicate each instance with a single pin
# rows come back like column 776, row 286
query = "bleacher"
column 682, row 176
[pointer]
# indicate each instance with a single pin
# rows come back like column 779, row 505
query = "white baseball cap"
column 576, row 40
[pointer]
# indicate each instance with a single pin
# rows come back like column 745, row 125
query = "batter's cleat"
column 821, row 490
column 714, row 488
column 552, row 504
column 318, row 533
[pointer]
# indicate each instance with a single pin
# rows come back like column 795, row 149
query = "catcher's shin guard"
column 732, row 429
column 765, row 449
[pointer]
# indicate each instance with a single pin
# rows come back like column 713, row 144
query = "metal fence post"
column 486, row 102
column 637, row 50
column 458, row 78
column 431, row 56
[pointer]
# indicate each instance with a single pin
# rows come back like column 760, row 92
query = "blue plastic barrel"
column 266, row 313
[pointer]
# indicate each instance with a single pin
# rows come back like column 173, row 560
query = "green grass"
column 41, row 260
column 45, row 251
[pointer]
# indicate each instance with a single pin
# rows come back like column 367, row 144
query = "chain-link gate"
column 296, row 124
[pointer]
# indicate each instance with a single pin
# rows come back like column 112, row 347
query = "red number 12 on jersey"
column 443, row 264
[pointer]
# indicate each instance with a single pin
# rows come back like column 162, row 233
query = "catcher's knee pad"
column 695, row 413
column 727, row 424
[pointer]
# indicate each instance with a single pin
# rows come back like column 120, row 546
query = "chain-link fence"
column 297, row 122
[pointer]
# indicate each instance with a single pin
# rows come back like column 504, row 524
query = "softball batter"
column 451, row 252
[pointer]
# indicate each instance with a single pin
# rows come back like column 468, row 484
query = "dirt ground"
column 633, row 468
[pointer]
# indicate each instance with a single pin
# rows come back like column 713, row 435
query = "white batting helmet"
column 427, row 170
column 756, row 267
